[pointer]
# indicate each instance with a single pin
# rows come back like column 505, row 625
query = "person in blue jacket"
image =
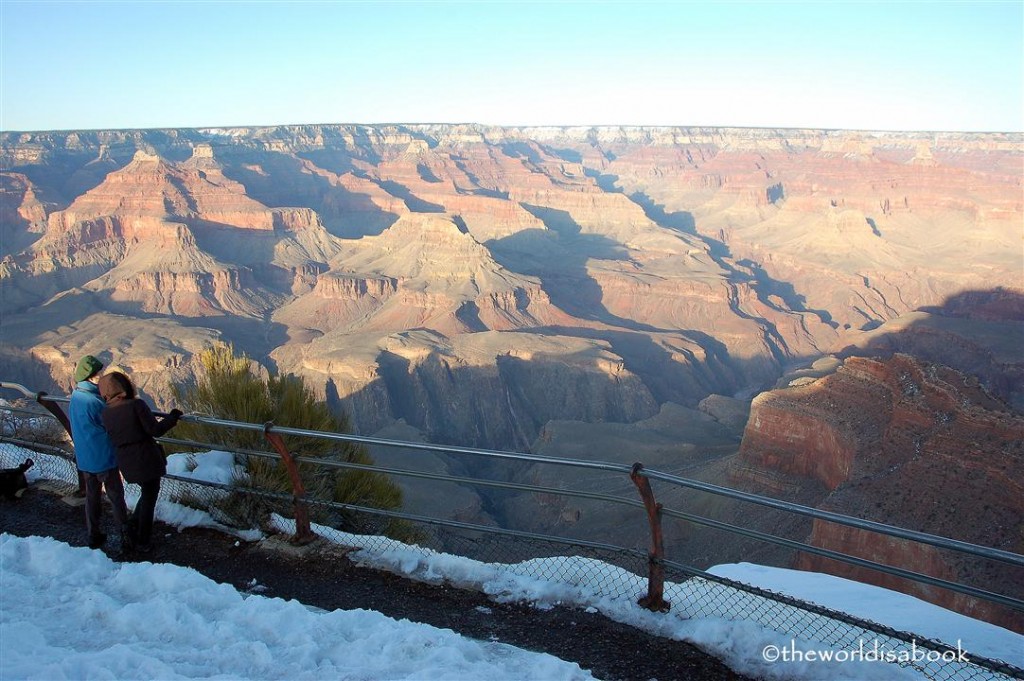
column 94, row 454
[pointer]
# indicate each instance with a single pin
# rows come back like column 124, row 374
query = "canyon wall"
column 899, row 441
column 614, row 293
column 705, row 261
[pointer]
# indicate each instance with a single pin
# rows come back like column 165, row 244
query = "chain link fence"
column 422, row 547
column 701, row 594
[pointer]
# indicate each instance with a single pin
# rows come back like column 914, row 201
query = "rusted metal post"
column 303, row 533
column 54, row 409
column 655, row 598
column 62, row 418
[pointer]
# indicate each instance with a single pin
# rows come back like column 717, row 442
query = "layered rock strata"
column 904, row 442
column 525, row 288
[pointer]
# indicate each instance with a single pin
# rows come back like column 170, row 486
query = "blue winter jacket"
column 93, row 448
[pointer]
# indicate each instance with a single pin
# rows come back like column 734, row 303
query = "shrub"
column 235, row 388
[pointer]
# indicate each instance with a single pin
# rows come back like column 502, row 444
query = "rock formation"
column 557, row 289
column 897, row 441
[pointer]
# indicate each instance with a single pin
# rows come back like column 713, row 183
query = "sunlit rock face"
column 613, row 293
column 905, row 442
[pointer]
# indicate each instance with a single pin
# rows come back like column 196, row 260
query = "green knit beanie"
column 87, row 367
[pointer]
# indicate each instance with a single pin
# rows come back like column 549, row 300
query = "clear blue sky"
column 888, row 65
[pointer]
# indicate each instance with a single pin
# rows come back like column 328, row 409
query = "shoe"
column 127, row 540
column 97, row 541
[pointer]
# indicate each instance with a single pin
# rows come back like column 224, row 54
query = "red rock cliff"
column 901, row 442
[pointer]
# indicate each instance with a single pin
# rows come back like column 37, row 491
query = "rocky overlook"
column 896, row 438
column 560, row 290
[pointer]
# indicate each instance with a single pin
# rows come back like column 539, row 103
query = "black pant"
column 142, row 516
column 95, row 483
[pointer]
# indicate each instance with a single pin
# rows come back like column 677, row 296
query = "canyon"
column 831, row 317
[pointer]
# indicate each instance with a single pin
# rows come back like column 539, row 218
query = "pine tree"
column 234, row 388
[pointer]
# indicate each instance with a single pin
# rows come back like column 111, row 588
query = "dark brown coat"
column 132, row 427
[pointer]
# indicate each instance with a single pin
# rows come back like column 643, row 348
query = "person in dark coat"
column 94, row 455
column 132, row 427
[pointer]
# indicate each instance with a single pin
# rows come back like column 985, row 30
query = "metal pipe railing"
column 31, row 393
column 965, row 589
column 455, row 524
column 489, row 529
column 422, row 446
column 401, row 472
column 880, row 528
column 637, row 473
column 654, row 597
column 519, row 487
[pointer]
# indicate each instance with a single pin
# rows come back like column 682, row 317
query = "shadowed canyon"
column 831, row 317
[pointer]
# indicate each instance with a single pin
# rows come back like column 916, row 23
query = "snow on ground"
column 892, row 608
column 72, row 613
column 746, row 646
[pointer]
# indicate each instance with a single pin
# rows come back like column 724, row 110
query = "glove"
column 176, row 414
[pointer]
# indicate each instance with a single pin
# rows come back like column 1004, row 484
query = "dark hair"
column 115, row 383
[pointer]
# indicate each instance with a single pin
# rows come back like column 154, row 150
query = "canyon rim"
column 789, row 311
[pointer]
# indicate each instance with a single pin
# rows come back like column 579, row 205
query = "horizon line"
column 642, row 126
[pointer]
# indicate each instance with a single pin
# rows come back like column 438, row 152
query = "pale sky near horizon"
column 933, row 66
